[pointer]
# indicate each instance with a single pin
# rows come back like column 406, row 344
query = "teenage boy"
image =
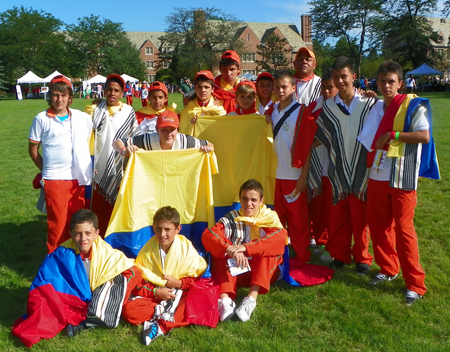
column 294, row 130
column 393, row 134
column 170, row 265
column 65, row 163
column 226, row 82
column 112, row 120
column 264, row 93
column 246, row 98
column 202, row 103
column 307, row 85
column 159, row 99
column 82, row 284
column 340, row 123
column 254, row 238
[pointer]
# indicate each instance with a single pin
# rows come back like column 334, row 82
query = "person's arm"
column 33, row 150
column 119, row 147
column 215, row 241
column 302, row 181
column 272, row 244
column 405, row 137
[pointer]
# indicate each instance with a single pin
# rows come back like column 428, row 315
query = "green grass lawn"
column 340, row 315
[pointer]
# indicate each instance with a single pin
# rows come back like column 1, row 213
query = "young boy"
column 82, row 284
column 170, row 265
column 226, row 82
column 264, row 92
column 252, row 236
column 294, row 130
column 202, row 103
column 65, row 163
column 340, row 122
column 393, row 134
column 144, row 94
column 147, row 116
column 246, row 97
column 129, row 93
column 307, row 84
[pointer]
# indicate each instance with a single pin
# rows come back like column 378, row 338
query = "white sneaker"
column 245, row 310
column 312, row 244
column 226, row 308
column 150, row 332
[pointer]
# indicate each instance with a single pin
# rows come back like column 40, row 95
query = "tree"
column 30, row 40
column 275, row 54
column 355, row 20
column 195, row 37
column 2, row 81
column 102, row 47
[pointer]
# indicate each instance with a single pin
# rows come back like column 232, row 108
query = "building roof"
column 439, row 24
column 139, row 38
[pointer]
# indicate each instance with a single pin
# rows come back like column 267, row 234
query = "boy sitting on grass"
column 246, row 97
column 170, row 265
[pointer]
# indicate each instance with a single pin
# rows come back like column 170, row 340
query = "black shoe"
column 336, row 264
column 72, row 330
column 362, row 268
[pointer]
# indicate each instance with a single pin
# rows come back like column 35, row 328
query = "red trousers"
column 63, row 199
column 394, row 239
column 346, row 218
column 141, row 309
column 295, row 215
column 319, row 212
column 144, row 102
column 262, row 274
column 130, row 100
column 103, row 209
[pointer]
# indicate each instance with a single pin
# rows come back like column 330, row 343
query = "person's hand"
column 370, row 94
column 206, row 149
column 130, row 149
column 172, row 282
column 233, row 250
column 164, row 293
column 268, row 119
column 194, row 119
column 241, row 260
column 300, row 185
column 383, row 140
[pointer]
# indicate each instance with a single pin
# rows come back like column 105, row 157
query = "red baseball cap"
column 206, row 74
column 231, row 54
column 60, row 78
column 158, row 86
column 264, row 75
column 167, row 119
column 304, row 49
column 116, row 77
column 246, row 83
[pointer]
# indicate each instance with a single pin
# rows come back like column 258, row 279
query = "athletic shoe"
column 151, row 331
column 411, row 297
column 313, row 244
column 245, row 310
column 72, row 330
column 336, row 264
column 362, row 268
column 226, row 308
column 380, row 278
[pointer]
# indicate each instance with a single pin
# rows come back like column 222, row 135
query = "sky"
column 150, row 16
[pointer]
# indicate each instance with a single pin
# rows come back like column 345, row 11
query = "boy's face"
column 167, row 136
column 245, row 101
column 60, row 101
column 165, row 232
column 230, row 73
column 343, row 79
column 250, row 201
column 84, row 235
column 264, row 87
column 158, row 99
column 113, row 93
column 304, row 65
column 203, row 91
column 389, row 84
column 328, row 89
column 283, row 89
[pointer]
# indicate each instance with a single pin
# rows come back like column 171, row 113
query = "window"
column 442, row 20
column 148, row 51
column 166, row 64
column 151, row 78
column 149, row 64
column 248, row 37
column 248, row 57
column 252, row 72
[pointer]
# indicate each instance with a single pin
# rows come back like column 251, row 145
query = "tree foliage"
column 274, row 54
column 102, row 47
column 195, row 37
column 30, row 40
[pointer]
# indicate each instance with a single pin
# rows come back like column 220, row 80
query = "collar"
column 304, row 79
column 203, row 104
column 88, row 257
column 51, row 113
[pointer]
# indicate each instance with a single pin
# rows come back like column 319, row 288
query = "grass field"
column 340, row 315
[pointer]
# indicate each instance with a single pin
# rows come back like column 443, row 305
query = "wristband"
column 392, row 135
column 397, row 134
column 154, row 292
column 121, row 150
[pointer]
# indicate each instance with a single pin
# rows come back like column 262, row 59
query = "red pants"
column 142, row 309
column 262, row 274
column 394, row 239
column 144, row 102
column 130, row 100
column 103, row 210
column 295, row 215
column 319, row 212
column 63, row 199
column 346, row 218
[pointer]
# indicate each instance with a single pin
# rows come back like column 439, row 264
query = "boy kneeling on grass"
column 170, row 265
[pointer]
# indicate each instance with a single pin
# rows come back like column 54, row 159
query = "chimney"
column 306, row 29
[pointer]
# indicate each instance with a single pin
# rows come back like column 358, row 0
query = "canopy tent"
column 54, row 74
column 29, row 77
column 99, row 79
column 424, row 70
column 129, row 78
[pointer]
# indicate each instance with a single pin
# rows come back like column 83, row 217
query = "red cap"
column 167, row 119
column 116, row 77
column 206, row 74
column 304, row 49
column 246, row 83
column 264, row 74
column 37, row 181
column 60, row 78
column 230, row 54
column 158, row 86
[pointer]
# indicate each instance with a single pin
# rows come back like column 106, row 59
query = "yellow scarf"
column 182, row 260
column 225, row 86
column 106, row 262
column 194, row 109
column 266, row 217
column 397, row 148
column 148, row 110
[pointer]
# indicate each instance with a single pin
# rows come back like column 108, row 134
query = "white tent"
column 129, row 78
column 30, row 77
column 94, row 80
column 54, row 74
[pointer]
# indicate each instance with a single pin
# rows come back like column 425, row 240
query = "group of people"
column 348, row 163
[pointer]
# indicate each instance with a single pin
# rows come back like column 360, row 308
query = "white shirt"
column 353, row 103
